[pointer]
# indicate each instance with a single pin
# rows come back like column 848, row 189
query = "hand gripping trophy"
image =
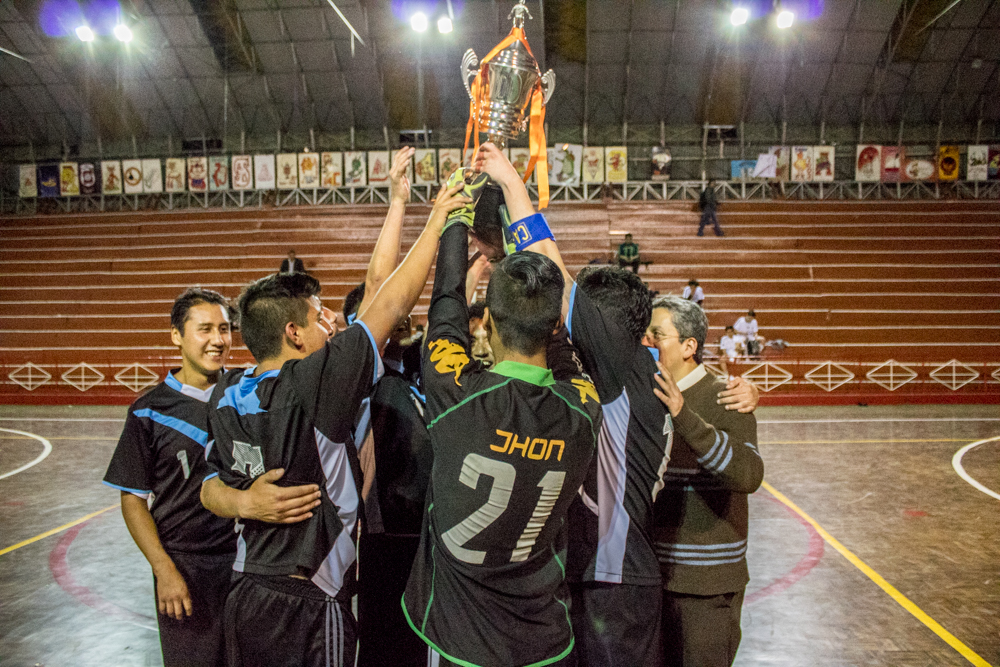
column 507, row 90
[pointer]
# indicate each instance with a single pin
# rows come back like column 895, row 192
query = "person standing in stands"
column 708, row 203
column 693, row 292
column 701, row 514
column 628, row 254
column 292, row 264
column 161, row 453
column 296, row 411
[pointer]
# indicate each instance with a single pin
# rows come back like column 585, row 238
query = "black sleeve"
column 131, row 467
column 561, row 357
column 446, row 351
column 606, row 349
column 332, row 382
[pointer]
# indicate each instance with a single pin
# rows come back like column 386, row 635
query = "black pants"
column 383, row 570
column 285, row 622
column 701, row 631
column 708, row 216
column 622, row 263
column 198, row 640
column 616, row 625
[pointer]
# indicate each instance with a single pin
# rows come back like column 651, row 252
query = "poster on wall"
column 919, row 169
column 766, row 166
column 660, row 160
column 242, row 173
column 425, row 166
column 823, row 163
column 947, row 163
column 176, row 175
column 868, row 163
column 378, row 167
column 309, row 171
column 28, row 181
column 355, row 168
column 564, row 164
column 263, row 172
column 48, row 180
column 593, row 164
column 218, row 173
column 197, row 174
column 742, row 169
column 892, row 164
column 802, row 163
column 69, row 179
column 978, row 157
column 288, row 171
column 449, row 159
column 111, row 177
column 993, row 165
column 132, row 175
column 781, row 153
column 152, row 176
column 616, row 164
column 331, row 169
column 520, row 157
column 90, row 178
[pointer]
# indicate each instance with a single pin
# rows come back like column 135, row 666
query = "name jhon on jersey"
column 537, row 449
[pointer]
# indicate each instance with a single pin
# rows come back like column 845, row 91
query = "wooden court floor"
column 875, row 541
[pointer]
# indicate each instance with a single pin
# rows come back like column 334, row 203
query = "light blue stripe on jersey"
column 569, row 314
column 193, row 432
column 242, row 396
column 379, row 368
column 134, row 492
column 361, row 432
column 613, row 520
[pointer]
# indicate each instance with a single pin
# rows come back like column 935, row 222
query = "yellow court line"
column 56, row 530
column 893, row 592
column 841, row 442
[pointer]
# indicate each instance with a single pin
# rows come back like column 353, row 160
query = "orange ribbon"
column 536, row 130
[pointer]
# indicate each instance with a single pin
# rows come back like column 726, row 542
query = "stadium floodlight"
column 785, row 19
column 444, row 25
column 419, row 22
column 123, row 33
column 739, row 16
column 85, row 33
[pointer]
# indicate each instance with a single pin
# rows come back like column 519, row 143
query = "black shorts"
column 383, row 569
column 281, row 621
column 701, row 630
column 199, row 638
column 616, row 625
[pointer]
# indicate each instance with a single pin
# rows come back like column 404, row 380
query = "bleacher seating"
column 854, row 283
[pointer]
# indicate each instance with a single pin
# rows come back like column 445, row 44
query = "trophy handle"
column 470, row 67
column 548, row 86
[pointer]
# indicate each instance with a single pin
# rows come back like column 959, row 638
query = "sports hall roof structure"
column 314, row 69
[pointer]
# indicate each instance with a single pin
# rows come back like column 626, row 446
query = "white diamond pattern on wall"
column 891, row 375
column 30, row 376
column 954, row 374
column 767, row 376
column 829, row 376
column 83, row 376
column 137, row 377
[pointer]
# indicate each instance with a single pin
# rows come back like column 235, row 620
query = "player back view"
column 511, row 448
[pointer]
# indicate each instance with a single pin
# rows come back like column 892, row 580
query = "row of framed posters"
column 892, row 164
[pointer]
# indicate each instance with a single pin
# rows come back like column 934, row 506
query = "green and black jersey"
column 511, row 448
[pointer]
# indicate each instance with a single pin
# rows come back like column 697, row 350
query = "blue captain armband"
column 530, row 230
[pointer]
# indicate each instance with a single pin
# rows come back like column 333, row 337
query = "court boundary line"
column 891, row 590
column 54, row 531
column 46, row 450
column 956, row 463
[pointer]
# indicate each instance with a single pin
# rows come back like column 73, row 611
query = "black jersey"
column 611, row 523
column 162, row 452
column 511, row 446
column 299, row 418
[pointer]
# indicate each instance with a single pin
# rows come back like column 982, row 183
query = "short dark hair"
column 620, row 294
column 353, row 300
column 477, row 309
column 525, row 300
column 270, row 303
column 689, row 320
column 194, row 296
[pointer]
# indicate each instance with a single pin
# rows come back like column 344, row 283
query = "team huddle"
column 582, row 500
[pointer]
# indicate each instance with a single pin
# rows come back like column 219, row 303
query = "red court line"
column 813, row 554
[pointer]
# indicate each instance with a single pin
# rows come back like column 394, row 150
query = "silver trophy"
column 511, row 76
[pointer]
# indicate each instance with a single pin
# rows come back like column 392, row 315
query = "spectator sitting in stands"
column 693, row 292
column 628, row 254
column 292, row 264
column 729, row 349
column 747, row 327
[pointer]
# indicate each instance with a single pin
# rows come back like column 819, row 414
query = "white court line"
column 46, row 445
column 956, row 463
column 863, row 421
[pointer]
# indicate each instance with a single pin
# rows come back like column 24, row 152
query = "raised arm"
column 398, row 294
column 385, row 257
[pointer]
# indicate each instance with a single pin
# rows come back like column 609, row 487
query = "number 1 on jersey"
column 182, row 456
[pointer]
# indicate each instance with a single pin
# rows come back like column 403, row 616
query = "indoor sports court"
column 873, row 541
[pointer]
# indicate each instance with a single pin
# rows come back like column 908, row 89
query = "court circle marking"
column 46, row 450
column 956, row 463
